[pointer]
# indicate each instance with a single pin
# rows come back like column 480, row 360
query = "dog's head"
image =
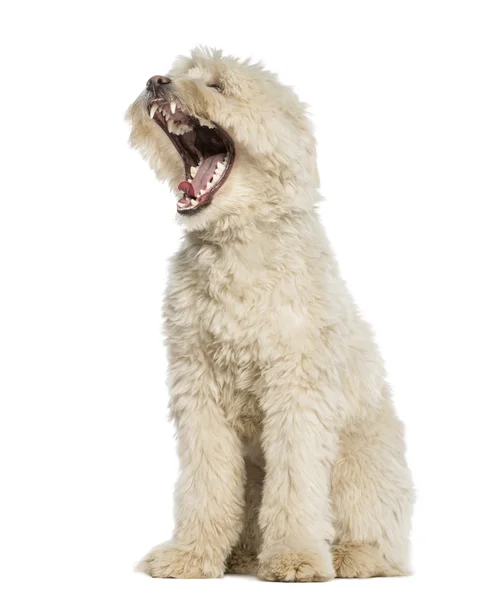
column 227, row 136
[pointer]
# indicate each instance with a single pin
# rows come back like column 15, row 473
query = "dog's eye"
column 216, row 87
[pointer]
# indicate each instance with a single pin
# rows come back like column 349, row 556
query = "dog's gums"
column 206, row 149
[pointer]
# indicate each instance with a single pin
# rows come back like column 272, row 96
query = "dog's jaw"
column 207, row 152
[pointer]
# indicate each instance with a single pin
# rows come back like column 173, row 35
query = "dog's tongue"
column 187, row 189
column 203, row 175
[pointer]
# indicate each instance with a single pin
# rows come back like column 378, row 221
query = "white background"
column 407, row 99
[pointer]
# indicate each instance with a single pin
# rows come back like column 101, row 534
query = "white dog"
column 292, row 458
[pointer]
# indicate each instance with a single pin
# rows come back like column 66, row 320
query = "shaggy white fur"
column 292, row 458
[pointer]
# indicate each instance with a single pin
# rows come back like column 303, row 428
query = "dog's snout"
column 155, row 82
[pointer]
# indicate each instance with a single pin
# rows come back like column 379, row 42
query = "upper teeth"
column 163, row 109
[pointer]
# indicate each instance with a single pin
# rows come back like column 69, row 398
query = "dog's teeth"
column 153, row 108
column 172, row 105
column 194, row 202
column 193, row 171
column 183, row 204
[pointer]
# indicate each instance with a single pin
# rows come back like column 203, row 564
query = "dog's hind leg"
column 361, row 560
column 372, row 500
column 243, row 558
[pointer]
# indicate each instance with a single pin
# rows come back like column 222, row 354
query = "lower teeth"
column 189, row 203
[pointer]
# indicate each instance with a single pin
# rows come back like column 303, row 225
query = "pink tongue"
column 187, row 189
column 203, row 175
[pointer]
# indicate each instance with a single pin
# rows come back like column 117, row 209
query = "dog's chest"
column 231, row 295
column 246, row 299
column 216, row 302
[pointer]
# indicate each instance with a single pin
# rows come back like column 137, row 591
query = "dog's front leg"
column 210, row 488
column 299, row 447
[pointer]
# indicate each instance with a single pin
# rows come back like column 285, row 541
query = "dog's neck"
column 235, row 230
column 256, row 220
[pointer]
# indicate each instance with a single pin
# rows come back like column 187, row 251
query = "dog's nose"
column 155, row 82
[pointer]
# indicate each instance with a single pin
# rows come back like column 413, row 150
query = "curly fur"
column 292, row 460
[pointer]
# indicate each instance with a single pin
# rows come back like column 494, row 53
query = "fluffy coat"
column 292, row 459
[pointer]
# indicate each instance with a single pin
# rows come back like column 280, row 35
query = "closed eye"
column 216, row 87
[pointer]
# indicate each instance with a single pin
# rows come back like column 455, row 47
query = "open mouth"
column 206, row 149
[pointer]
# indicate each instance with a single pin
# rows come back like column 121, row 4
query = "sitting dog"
column 292, row 459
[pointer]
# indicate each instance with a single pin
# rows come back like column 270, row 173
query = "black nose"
column 155, row 82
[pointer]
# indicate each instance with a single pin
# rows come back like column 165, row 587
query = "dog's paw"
column 283, row 564
column 241, row 561
column 172, row 560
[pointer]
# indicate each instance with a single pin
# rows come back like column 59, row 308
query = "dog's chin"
column 207, row 152
column 202, row 220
